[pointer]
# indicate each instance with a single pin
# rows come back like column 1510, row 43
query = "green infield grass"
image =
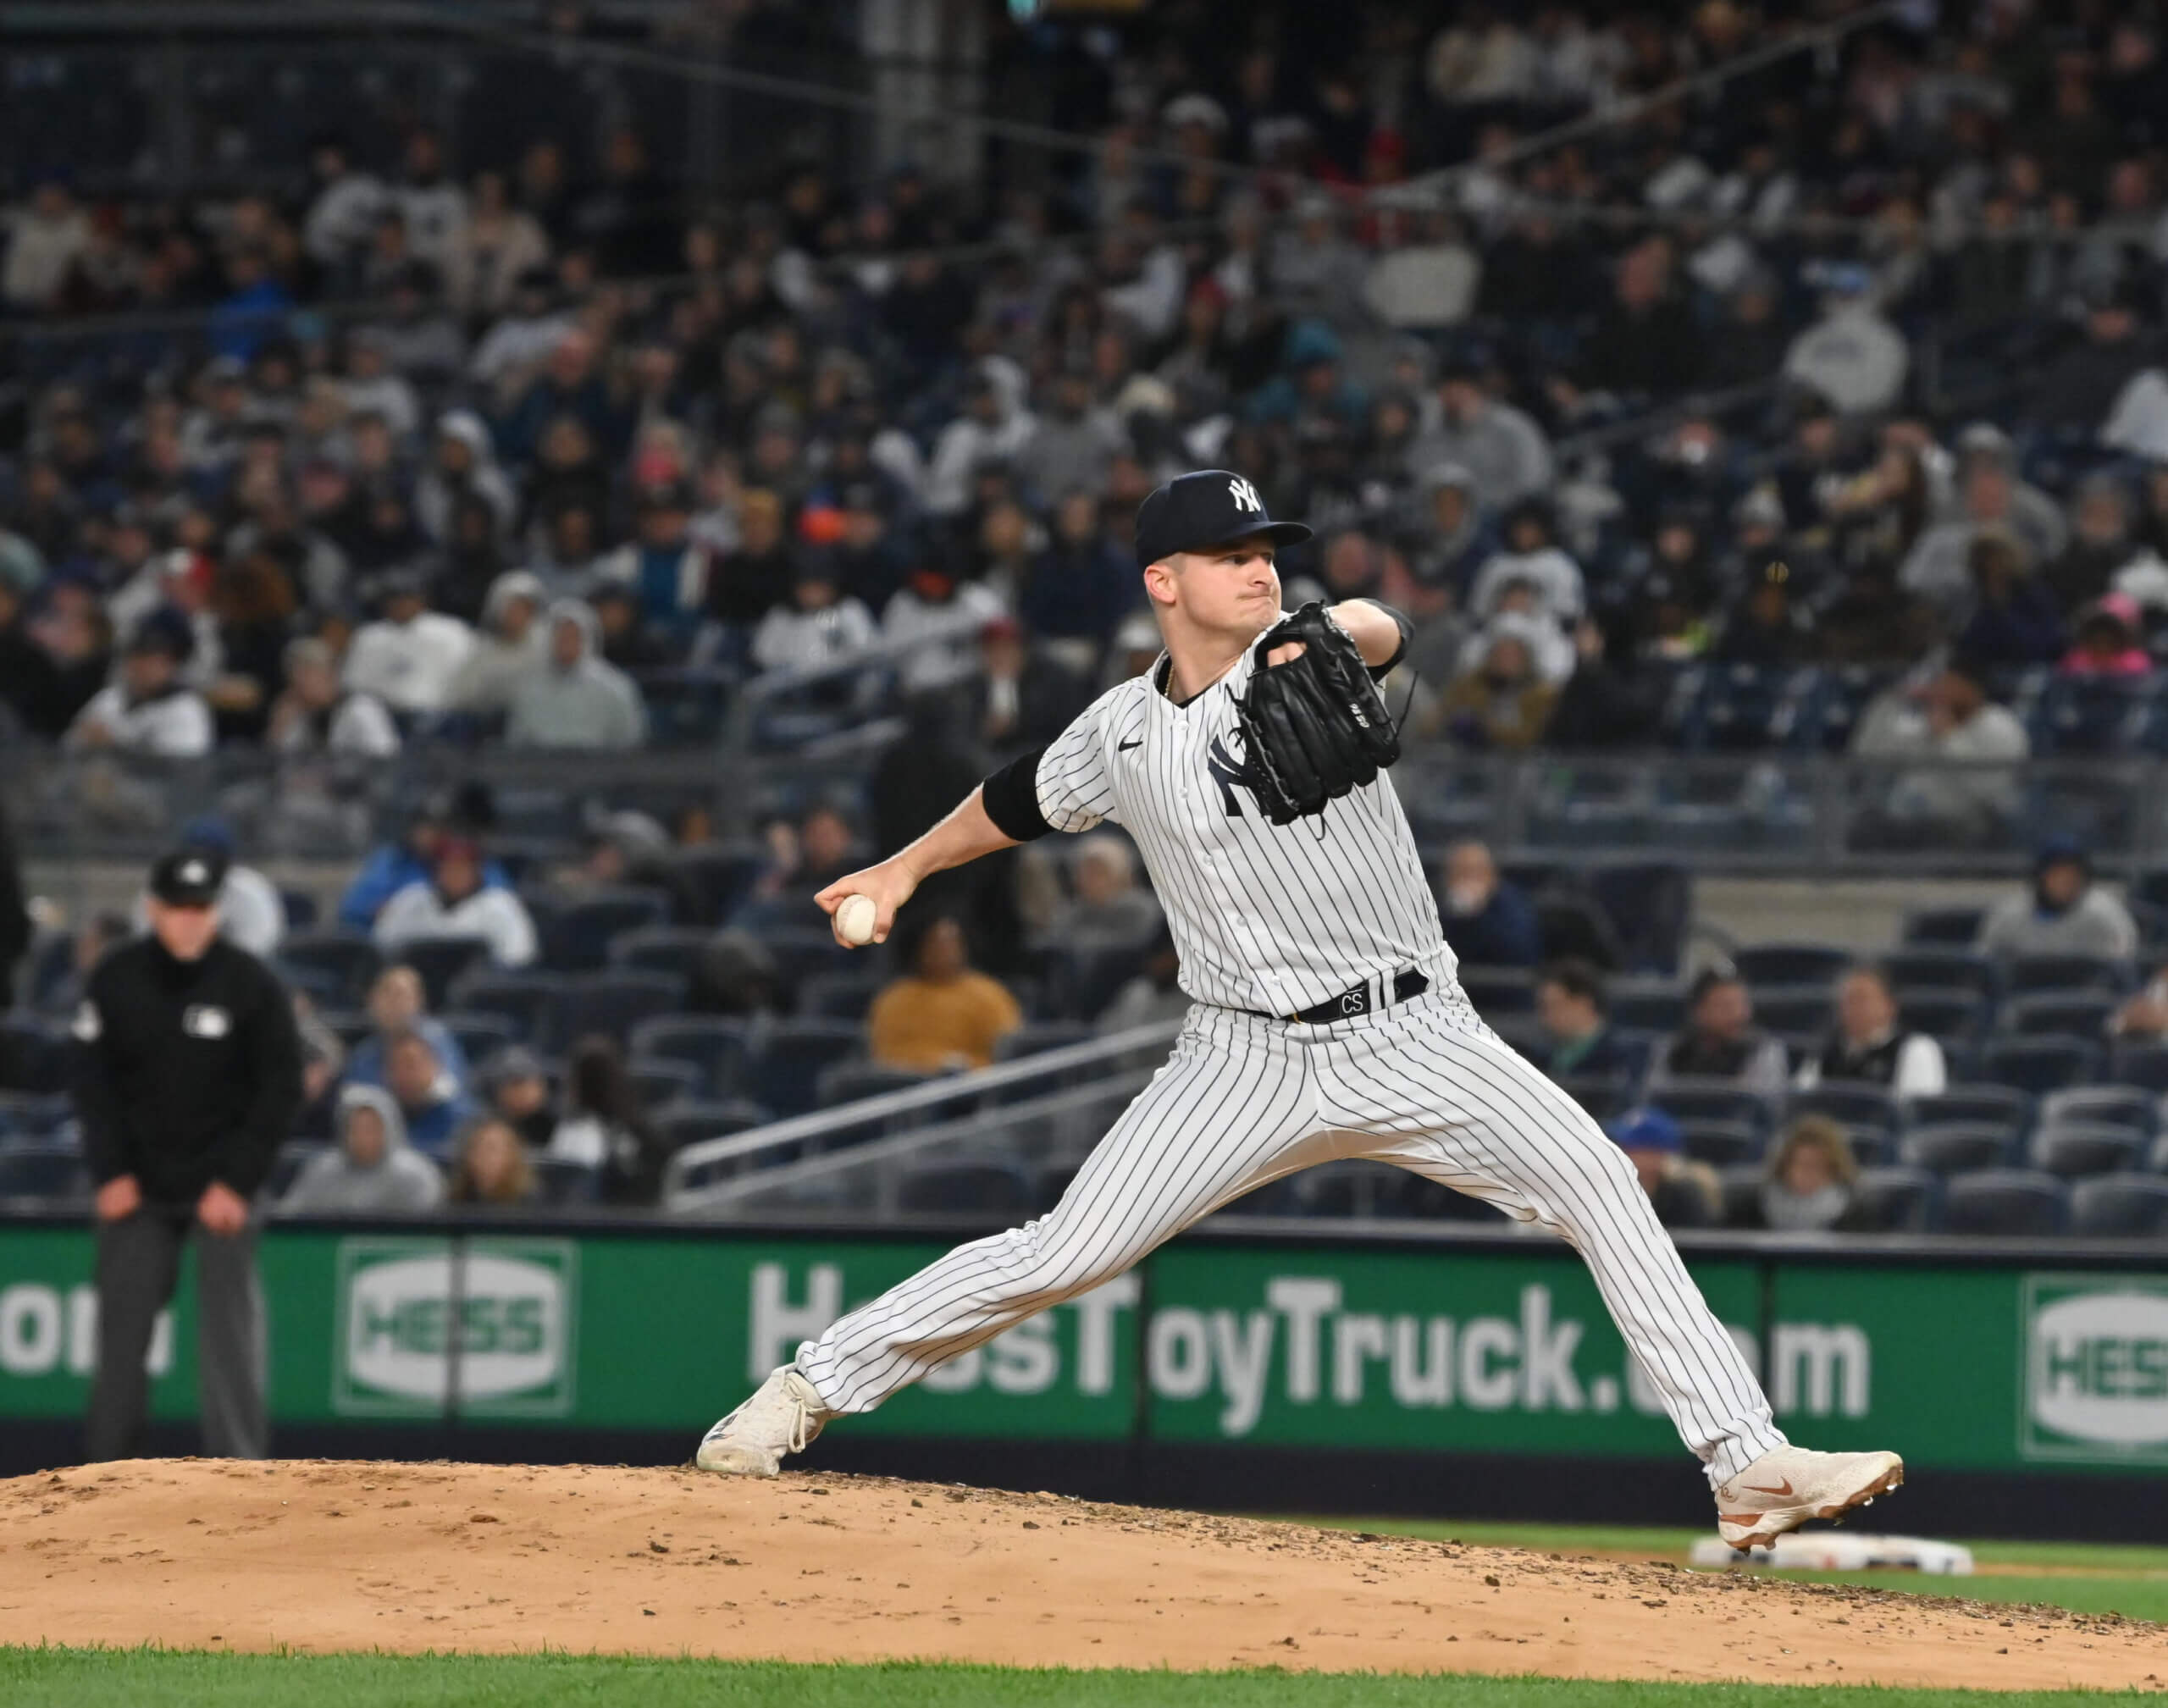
column 2083, row 1577
column 147, row 1678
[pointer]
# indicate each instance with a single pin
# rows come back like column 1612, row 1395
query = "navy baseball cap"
column 189, row 875
column 1194, row 512
column 1645, row 1129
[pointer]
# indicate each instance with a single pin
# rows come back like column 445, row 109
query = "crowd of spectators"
column 1682, row 390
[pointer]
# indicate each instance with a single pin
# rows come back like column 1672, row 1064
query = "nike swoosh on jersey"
column 1125, row 746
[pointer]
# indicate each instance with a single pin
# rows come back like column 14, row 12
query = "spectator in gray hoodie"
column 576, row 700
column 1504, row 451
column 510, row 645
column 371, row 1170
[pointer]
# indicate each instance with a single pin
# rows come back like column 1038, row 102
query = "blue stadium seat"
column 1950, row 1014
column 1791, row 964
column 840, row 995
column 848, row 1082
column 300, row 909
column 564, row 1182
column 478, row 1036
column 986, row 1187
column 2038, row 1065
column 1712, row 1100
column 1899, row 1200
column 1833, row 701
column 2130, row 1107
column 440, row 961
column 47, row 1171
column 522, row 999
column 2059, row 1014
column 2089, row 715
column 33, row 1114
column 685, row 708
column 1721, row 1143
column 1944, row 968
column 2038, row 975
column 2137, row 1062
column 348, row 958
column 34, row 1057
column 1955, row 1148
column 611, row 1003
column 2079, row 1149
column 685, row 1124
column 659, row 949
column 1651, row 906
column 1651, row 1004
column 2001, row 1106
column 2005, row 1201
column 1803, row 1009
column 806, row 952
column 1602, row 1095
column 785, row 1069
column 579, row 940
column 721, row 874
column 2128, row 1207
column 658, row 1082
column 1860, row 1108
column 1743, row 706
column 1949, row 928
column 1498, row 990
column 716, row 1044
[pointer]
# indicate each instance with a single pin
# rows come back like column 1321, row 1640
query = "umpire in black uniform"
column 189, row 1078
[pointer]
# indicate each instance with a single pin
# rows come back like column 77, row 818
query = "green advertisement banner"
column 1453, row 1349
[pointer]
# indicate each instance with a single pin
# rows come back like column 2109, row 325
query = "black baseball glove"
column 1316, row 727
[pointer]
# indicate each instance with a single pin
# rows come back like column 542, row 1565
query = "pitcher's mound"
column 318, row 1555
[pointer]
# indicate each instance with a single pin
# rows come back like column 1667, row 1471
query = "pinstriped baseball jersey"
column 1274, row 919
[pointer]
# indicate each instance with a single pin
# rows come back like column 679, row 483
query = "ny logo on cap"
column 1244, row 494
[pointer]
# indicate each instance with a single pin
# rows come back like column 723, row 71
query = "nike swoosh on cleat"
column 1783, row 1487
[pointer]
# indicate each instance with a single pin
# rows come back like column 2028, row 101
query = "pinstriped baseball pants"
column 1243, row 1100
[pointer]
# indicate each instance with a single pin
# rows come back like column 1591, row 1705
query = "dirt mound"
column 320, row 1554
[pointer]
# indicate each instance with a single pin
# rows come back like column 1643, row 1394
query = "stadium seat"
column 2079, row 1149
column 2139, row 1062
column 33, row 1114
column 2132, row 1107
column 34, row 1056
column 1411, row 1196
column 805, row 953
column 1721, row 1143
column 1791, row 964
column 1864, row 1108
column 564, row 1183
column 440, row 961
column 1957, row 928
column 722, row 873
column 478, row 1036
column 848, row 1082
column 611, row 1003
column 715, row 1044
column 987, row 1187
column 2059, row 1013
column 579, row 940
column 1498, row 990
column 1944, row 967
column 1602, row 1095
column 658, row 1082
column 350, row 960
column 1949, row 1013
column 2005, row 1201
column 2133, row 1207
column 2038, row 1065
column 1801, row 1011
column 300, row 909
column 2031, row 974
column 2000, row 1106
column 1956, row 1147
column 1651, row 906
column 840, row 995
column 522, row 999
column 659, row 949
column 2087, row 715
column 1050, row 1183
column 1899, row 1200
column 685, row 708
column 1712, row 1100
column 1649, row 1005
column 685, row 1124
column 50, row 1171
column 784, row 1070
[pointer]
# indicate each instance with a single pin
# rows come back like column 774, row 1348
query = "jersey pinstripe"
column 1274, row 919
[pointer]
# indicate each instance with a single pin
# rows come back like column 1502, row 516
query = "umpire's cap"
column 1195, row 512
column 189, row 876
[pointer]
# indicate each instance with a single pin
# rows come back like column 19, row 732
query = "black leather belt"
column 1356, row 1000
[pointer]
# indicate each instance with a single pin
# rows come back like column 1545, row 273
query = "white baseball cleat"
column 780, row 1417
column 1781, row 1491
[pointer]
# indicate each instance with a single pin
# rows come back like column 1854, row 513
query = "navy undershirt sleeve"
column 1011, row 798
column 1379, row 671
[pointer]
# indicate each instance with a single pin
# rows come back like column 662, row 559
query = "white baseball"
column 854, row 920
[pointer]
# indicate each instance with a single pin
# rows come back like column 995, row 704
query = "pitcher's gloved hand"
column 1315, row 727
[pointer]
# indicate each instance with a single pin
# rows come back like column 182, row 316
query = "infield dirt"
column 322, row 1556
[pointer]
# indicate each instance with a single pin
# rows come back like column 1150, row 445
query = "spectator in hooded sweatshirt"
column 510, row 645
column 463, row 464
column 1504, row 451
column 576, row 700
column 391, row 866
column 409, row 656
column 317, row 715
column 456, row 902
column 149, row 710
column 372, row 1171
column 820, row 624
column 993, row 427
column 2063, row 913
column 430, row 1100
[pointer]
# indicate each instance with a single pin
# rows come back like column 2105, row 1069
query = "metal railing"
column 711, row 1176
